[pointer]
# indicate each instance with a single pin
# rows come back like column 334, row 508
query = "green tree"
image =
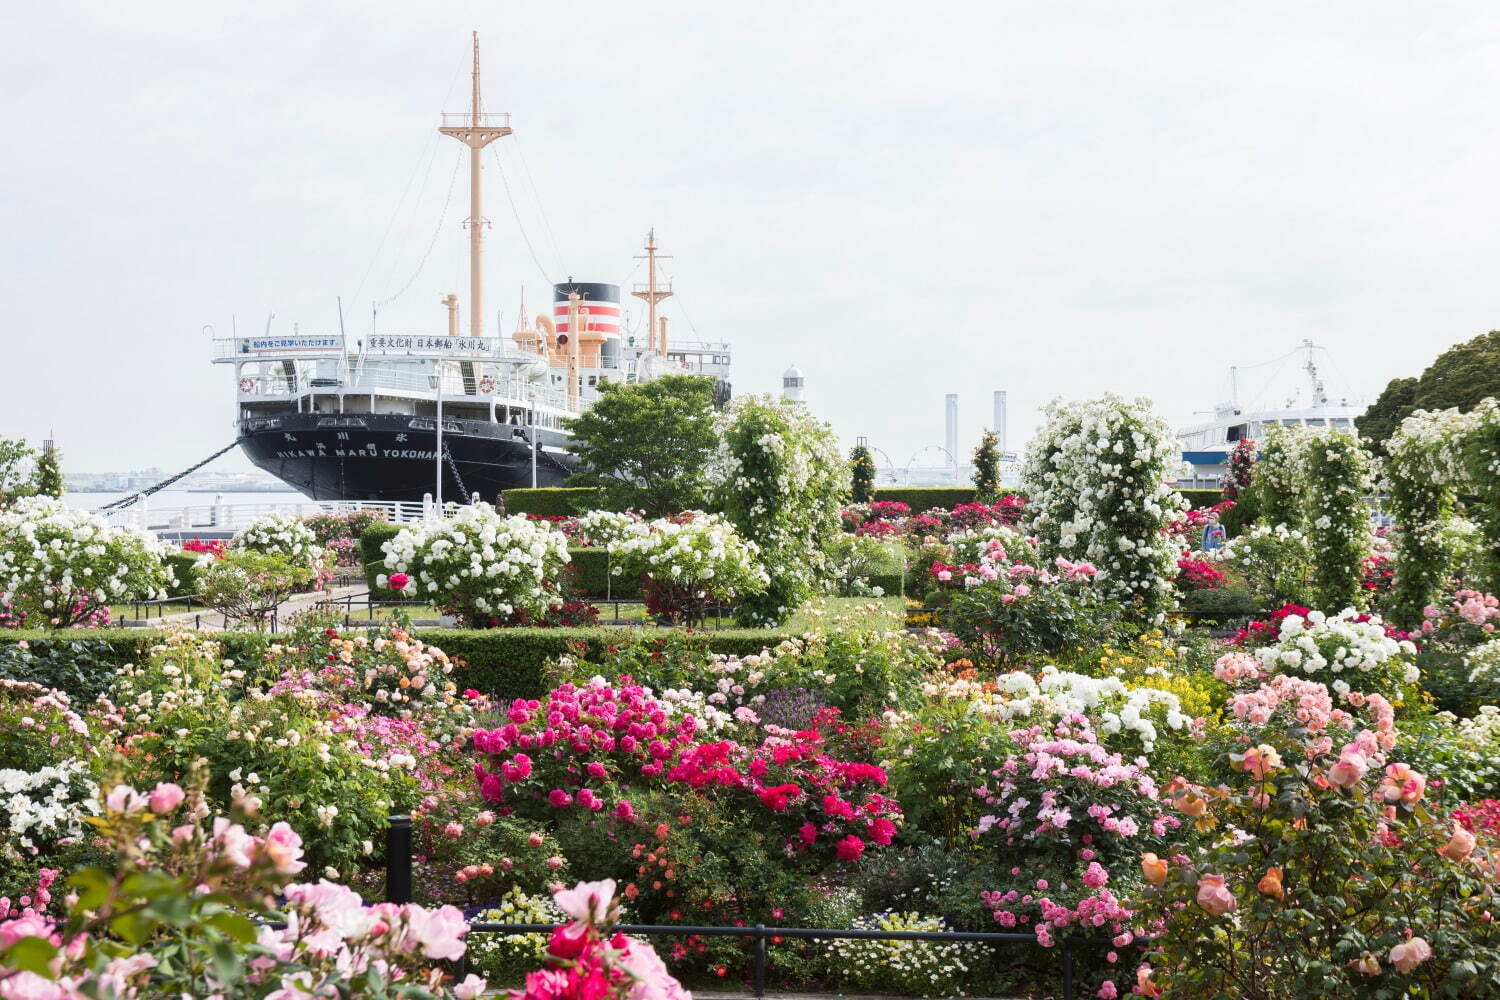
column 646, row 445
column 16, row 476
column 987, row 469
column 862, row 474
column 1460, row 377
column 1394, row 404
column 49, row 477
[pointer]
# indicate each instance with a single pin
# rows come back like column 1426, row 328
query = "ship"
column 461, row 414
column 1206, row 446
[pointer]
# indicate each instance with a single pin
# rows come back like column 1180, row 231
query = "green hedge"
column 505, row 663
column 184, row 567
column 555, row 501
column 920, row 498
column 591, row 575
column 511, row 662
column 1201, row 499
column 107, row 650
column 371, row 554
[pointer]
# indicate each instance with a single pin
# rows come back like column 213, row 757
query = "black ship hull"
column 394, row 456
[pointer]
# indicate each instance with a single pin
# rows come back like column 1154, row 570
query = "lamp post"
column 533, row 437
column 436, row 381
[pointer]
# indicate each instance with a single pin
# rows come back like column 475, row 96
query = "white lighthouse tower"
column 792, row 384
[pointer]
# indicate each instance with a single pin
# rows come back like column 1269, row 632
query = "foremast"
column 476, row 130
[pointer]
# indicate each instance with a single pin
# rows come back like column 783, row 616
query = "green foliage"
column 920, row 498
column 1338, row 480
column 372, row 553
column 553, row 501
column 645, row 445
column 987, row 469
column 1275, row 490
column 590, row 575
column 1460, row 377
column 48, row 477
column 246, row 586
column 184, row 569
column 781, row 484
column 1394, row 404
column 861, row 474
column 81, row 667
column 16, row 475
column 1052, row 620
column 1201, row 499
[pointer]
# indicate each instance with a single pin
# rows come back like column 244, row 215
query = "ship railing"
column 506, row 391
column 221, row 519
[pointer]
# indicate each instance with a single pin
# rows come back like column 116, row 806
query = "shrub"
column 247, row 586
column 781, row 482
column 552, row 501
column 479, row 565
column 687, row 562
column 1342, row 883
column 63, row 567
column 1095, row 479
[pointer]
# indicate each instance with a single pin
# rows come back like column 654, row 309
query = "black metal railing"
column 398, row 889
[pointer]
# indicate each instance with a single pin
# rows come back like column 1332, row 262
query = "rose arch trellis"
column 1434, row 459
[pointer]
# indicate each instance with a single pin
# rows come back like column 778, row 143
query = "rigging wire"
column 432, row 155
column 517, row 214
column 436, row 232
column 678, row 296
column 546, row 223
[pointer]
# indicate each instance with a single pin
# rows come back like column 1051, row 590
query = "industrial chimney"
column 950, row 440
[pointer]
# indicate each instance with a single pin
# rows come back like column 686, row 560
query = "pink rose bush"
column 587, row 960
column 596, row 749
column 1323, row 868
column 191, row 885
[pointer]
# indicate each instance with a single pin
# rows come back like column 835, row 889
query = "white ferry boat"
column 1206, row 446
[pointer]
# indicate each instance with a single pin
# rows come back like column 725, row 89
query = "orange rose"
column 1270, row 883
column 1154, row 868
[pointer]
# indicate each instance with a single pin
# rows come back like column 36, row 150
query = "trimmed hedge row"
column 553, row 501
column 504, row 663
column 920, row 498
column 184, row 567
column 1201, row 499
column 591, row 575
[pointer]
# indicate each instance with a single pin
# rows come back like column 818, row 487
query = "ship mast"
column 653, row 293
column 476, row 130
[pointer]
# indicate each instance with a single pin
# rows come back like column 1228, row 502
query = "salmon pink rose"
column 1154, row 868
column 1409, row 954
column 1214, row 896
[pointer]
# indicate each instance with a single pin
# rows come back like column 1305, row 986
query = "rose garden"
column 1269, row 769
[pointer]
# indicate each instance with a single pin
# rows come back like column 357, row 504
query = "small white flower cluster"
column 1056, row 693
column 59, row 562
column 479, row 560
column 928, row 968
column 1346, row 643
column 513, row 953
column 281, row 535
column 38, row 808
column 697, row 552
column 1096, row 482
column 1484, row 662
column 602, row 528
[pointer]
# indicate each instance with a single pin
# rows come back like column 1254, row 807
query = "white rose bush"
column 782, row 482
column 687, row 562
column 478, row 564
column 290, row 538
column 63, row 567
column 1338, row 519
column 1347, row 650
column 1096, row 478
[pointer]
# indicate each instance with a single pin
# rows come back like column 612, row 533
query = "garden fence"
column 399, row 867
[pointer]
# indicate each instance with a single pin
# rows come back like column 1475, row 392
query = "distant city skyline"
column 1054, row 200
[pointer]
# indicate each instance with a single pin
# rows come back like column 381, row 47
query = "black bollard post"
column 398, row 860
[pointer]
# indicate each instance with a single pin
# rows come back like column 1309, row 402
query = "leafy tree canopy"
column 1460, row 377
column 17, row 474
column 647, row 445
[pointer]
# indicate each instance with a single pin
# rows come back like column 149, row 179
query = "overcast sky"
column 1053, row 198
